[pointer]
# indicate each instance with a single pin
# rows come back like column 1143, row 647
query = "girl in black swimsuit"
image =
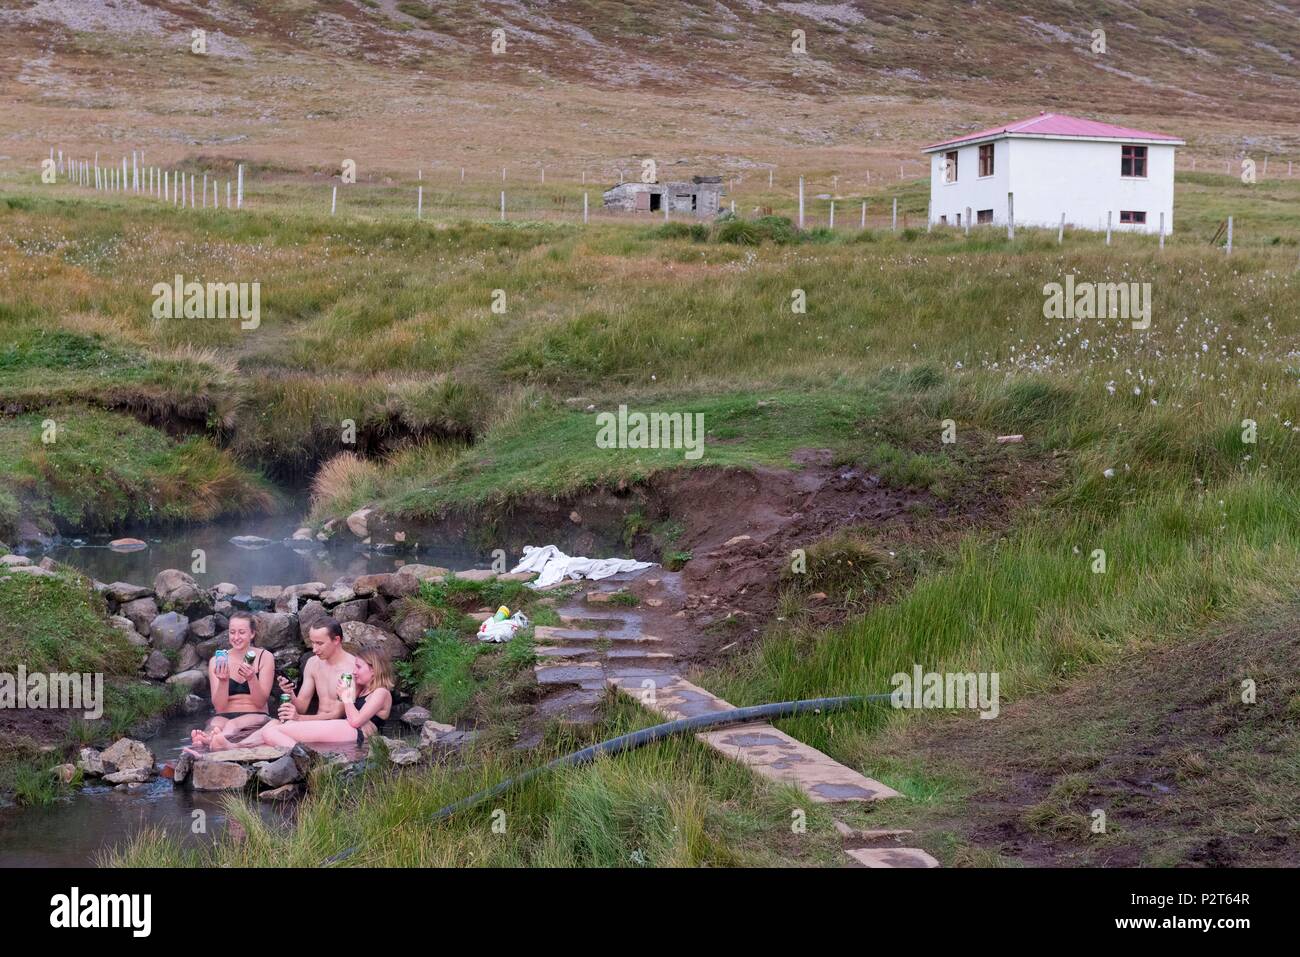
column 240, row 690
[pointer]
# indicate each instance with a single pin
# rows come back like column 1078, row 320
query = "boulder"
column 136, row 776
column 305, row 590
column 187, row 658
column 277, row 629
column 283, row 770
column 122, row 592
column 91, row 762
column 167, row 632
column 476, row 575
column 206, row 627
column 193, row 680
column 209, row 775
column 224, row 590
column 35, row 571
column 415, row 717
column 126, row 754
column 182, row 768
column 367, row 585
column 303, row 534
column 47, row 563
column 368, row 636
column 268, row 593
column 250, row 541
column 425, row 573
column 286, row 793
column 448, row 741
column 337, row 594
column 291, row 656
column 356, row 610
column 308, row 614
column 359, row 522
column 262, row 753
column 193, row 704
column 413, row 620
column 178, row 591
column 14, row 561
column 207, row 648
column 432, row 732
column 399, row 752
column 399, row 585
column 157, row 665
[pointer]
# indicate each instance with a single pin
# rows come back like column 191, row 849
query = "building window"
column 943, row 220
column 1133, row 161
column 984, row 216
column 1132, row 216
column 986, row 159
column 950, row 167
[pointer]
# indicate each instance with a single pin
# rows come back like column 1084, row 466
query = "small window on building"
column 943, row 220
column 1132, row 216
column 655, row 202
column 984, row 216
column 950, row 166
column 1133, row 161
column 959, row 219
column 986, row 159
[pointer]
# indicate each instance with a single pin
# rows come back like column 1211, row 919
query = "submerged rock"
column 127, row 544
column 250, row 541
column 126, row 754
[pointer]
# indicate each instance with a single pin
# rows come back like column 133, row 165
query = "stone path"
column 600, row 644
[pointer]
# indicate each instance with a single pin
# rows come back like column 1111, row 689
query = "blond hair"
column 380, row 665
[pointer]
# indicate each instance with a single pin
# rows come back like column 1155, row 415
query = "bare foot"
column 200, row 739
column 218, row 742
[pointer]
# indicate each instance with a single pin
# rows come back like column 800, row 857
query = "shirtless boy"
column 320, row 680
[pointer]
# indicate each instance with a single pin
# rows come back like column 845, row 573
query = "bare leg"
column 335, row 731
column 238, row 729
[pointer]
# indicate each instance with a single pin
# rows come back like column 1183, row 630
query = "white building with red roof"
column 1052, row 165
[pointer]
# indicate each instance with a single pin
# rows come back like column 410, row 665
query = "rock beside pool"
column 431, row 732
column 399, row 752
column 286, row 793
column 368, row 636
column 157, row 666
column 168, row 631
column 209, row 775
column 276, row 629
column 140, row 611
column 359, row 521
column 177, row 591
column 191, row 680
column 126, row 754
column 91, row 762
column 415, row 717
column 127, row 544
column 122, row 592
column 15, row 561
column 136, row 776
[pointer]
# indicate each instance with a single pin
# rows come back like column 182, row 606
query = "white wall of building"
column 1080, row 178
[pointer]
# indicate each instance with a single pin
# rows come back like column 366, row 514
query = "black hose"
column 636, row 739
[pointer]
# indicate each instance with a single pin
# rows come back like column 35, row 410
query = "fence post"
column 1229, row 235
column 227, row 194
column 769, row 179
column 1011, row 216
column 864, row 214
column 832, row 219
column 334, row 199
column 191, row 190
column 801, row 202
column 1060, row 231
column 1162, row 229
column 928, row 216
column 1108, row 215
column 967, row 220
column 584, row 206
column 894, row 224
column 503, row 199
column 205, row 190
column 419, row 202
column 239, row 187
column 135, row 174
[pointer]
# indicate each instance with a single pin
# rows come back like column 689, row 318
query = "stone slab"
column 892, row 857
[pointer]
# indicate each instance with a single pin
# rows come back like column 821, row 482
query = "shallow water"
column 276, row 563
column 74, row 830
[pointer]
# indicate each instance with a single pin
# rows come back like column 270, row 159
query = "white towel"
column 552, row 565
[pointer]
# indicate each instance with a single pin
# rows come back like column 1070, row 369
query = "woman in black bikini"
column 367, row 703
column 240, row 689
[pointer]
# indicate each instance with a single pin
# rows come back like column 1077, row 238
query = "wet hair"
column 247, row 616
column 380, row 665
column 331, row 626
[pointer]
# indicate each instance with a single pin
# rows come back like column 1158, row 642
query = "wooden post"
column 205, row 190
column 503, row 200
column 584, row 205
column 167, row 185
column 334, row 199
column 1011, row 216
column 894, row 225
column 419, row 202
column 1229, row 235
column 664, row 202
column 135, row 174
column 1265, row 164
column 864, row 214
column 769, row 178
column 801, row 202
column 239, row 187
column 1162, row 229
column 191, row 190
column 462, row 174
column 832, row 219
column 227, row 194
column 543, row 175
column 121, row 183
column 182, row 178
column 1108, row 215
column 1060, row 231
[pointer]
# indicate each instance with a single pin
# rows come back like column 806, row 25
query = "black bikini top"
column 234, row 687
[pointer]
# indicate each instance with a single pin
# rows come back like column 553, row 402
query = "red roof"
column 1057, row 124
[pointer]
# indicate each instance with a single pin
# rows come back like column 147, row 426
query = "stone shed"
column 702, row 196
